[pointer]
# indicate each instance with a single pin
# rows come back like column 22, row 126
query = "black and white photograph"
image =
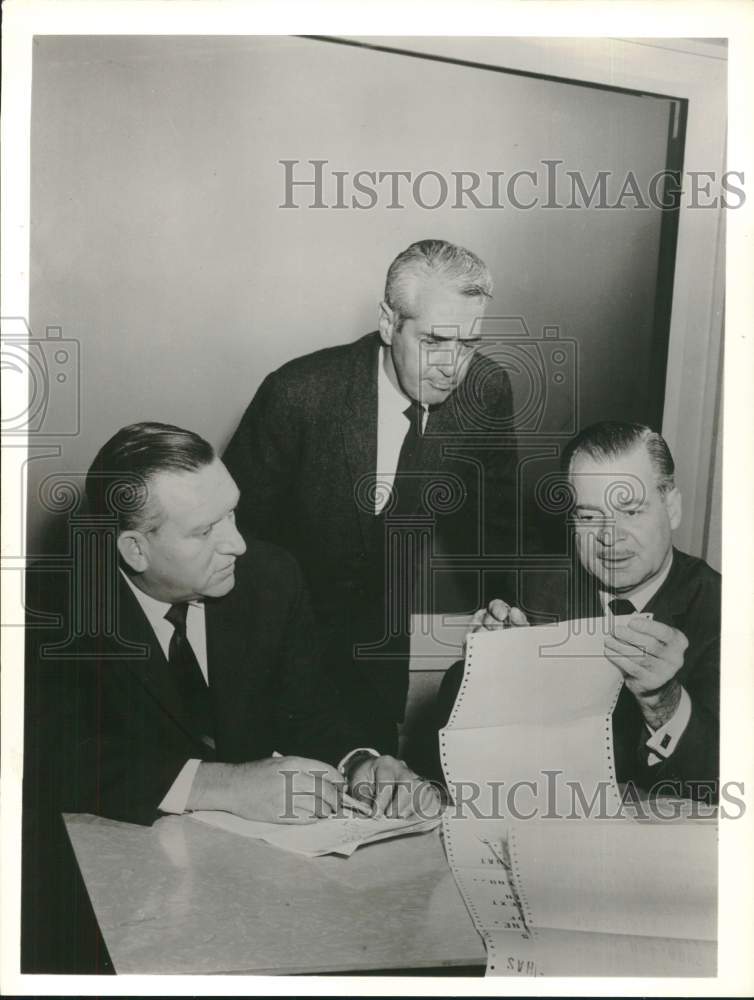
column 377, row 531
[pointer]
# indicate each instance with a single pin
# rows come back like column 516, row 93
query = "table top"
column 184, row 897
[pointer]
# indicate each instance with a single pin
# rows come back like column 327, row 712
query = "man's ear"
column 387, row 323
column 674, row 507
column 133, row 550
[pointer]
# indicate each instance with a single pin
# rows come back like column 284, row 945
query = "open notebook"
column 553, row 889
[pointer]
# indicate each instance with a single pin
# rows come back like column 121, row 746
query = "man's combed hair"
column 459, row 268
column 611, row 438
column 119, row 478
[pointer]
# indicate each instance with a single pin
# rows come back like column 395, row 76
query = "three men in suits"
column 175, row 663
column 625, row 507
column 387, row 466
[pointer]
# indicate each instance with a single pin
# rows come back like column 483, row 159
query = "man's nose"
column 232, row 543
column 606, row 534
column 446, row 358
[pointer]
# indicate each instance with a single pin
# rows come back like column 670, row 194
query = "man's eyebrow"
column 451, row 336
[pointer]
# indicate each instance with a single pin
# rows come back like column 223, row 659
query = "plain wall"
column 159, row 245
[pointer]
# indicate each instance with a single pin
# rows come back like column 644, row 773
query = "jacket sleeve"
column 694, row 765
column 312, row 719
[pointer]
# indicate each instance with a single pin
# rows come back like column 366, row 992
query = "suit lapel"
column 671, row 599
column 153, row 671
column 359, row 430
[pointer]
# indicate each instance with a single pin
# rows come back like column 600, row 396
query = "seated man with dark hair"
column 625, row 507
column 178, row 663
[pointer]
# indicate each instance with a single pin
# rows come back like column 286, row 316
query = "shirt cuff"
column 664, row 740
column 369, row 751
column 177, row 796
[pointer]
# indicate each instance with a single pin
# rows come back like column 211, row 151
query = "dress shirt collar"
column 152, row 608
column 641, row 597
column 391, row 400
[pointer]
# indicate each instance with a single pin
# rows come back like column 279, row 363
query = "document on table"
column 554, row 888
column 335, row 835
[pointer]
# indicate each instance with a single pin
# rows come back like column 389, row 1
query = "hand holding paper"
column 649, row 655
column 496, row 615
column 392, row 789
column 274, row 790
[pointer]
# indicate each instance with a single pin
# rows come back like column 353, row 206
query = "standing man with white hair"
column 371, row 460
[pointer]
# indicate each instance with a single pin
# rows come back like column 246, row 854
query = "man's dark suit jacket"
column 688, row 600
column 104, row 731
column 303, row 456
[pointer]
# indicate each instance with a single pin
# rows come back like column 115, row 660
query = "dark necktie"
column 408, row 479
column 621, row 606
column 187, row 674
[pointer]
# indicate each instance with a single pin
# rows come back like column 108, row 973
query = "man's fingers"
column 618, row 646
column 428, row 805
column 315, row 767
column 635, row 640
column 628, row 667
column 497, row 613
column 402, row 804
column 384, row 797
column 657, row 630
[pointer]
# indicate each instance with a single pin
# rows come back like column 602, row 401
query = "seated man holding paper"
column 625, row 507
column 171, row 665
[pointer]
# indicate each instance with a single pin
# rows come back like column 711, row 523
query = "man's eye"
column 206, row 531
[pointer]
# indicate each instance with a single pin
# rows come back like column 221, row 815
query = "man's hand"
column 276, row 789
column 649, row 655
column 392, row 789
column 497, row 615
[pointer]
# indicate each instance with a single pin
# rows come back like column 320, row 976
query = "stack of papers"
column 337, row 835
column 558, row 878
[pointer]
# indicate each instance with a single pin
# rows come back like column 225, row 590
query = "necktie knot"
column 415, row 413
column 176, row 615
column 621, row 606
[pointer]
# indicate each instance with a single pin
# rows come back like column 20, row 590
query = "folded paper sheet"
column 337, row 835
column 558, row 877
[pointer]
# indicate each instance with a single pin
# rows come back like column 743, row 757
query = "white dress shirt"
column 196, row 632
column 392, row 425
column 663, row 741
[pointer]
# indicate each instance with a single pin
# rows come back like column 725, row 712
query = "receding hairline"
column 418, row 283
column 154, row 508
column 598, row 458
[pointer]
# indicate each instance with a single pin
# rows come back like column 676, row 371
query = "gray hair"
column 461, row 268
